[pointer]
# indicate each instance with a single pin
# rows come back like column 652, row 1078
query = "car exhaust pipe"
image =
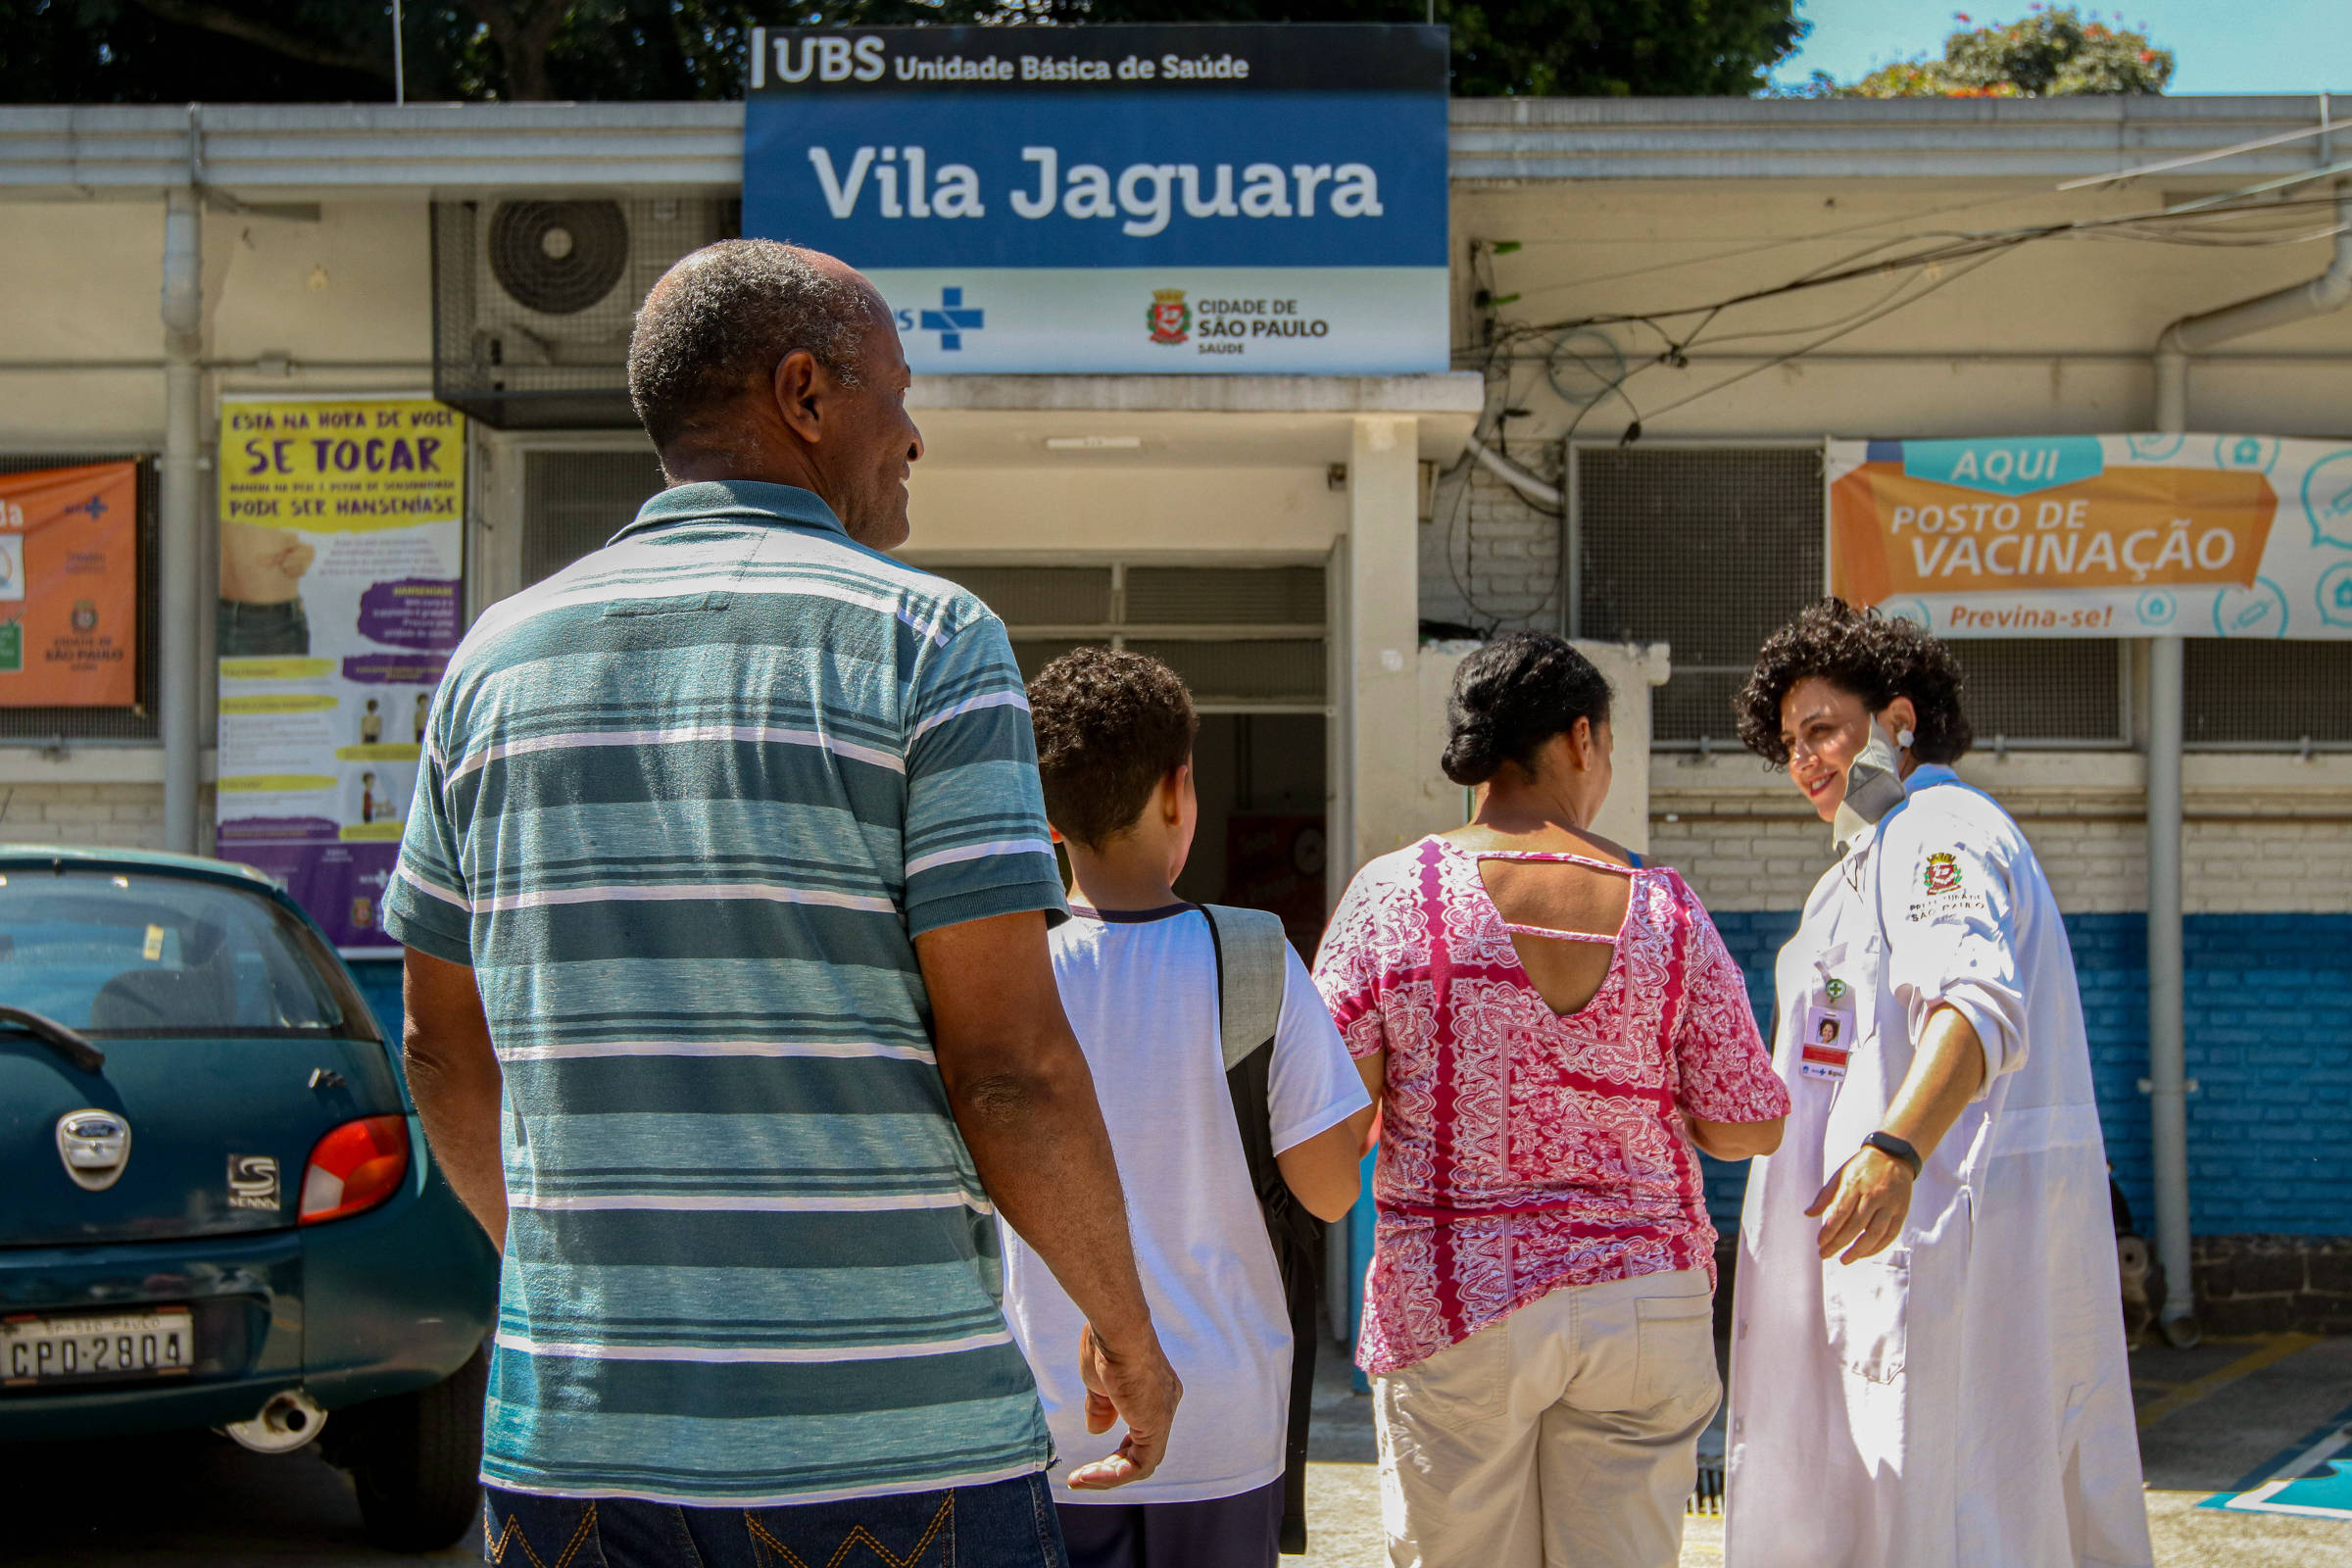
column 289, row 1420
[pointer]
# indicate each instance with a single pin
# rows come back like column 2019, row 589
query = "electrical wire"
column 1962, row 251
column 1890, row 309
column 1957, row 247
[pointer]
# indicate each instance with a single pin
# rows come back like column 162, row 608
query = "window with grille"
column 2265, row 696
column 1709, row 549
column 574, row 500
column 49, row 725
column 1242, row 637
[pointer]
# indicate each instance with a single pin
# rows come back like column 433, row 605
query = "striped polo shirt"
column 684, row 808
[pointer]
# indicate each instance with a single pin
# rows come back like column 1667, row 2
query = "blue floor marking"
column 2313, row 1479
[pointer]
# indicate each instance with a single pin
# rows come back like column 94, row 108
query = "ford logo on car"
column 95, row 1146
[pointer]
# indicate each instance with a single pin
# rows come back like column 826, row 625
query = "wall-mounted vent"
column 533, row 301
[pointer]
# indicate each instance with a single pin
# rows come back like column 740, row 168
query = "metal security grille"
column 2266, row 695
column 1706, row 549
column 533, row 302
column 1041, row 596
column 1242, row 637
column 572, row 501
column 2040, row 689
column 51, row 725
column 1225, row 595
column 1709, row 549
column 1287, row 669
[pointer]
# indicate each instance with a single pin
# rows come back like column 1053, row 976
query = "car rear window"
column 126, row 954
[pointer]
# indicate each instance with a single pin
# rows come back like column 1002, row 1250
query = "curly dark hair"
column 1513, row 694
column 1867, row 655
column 1110, row 725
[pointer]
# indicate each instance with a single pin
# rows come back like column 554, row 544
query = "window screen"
column 1051, row 610
column 1233, row 595
column 1709, row 549
column 574, row 502
column 2266, row 694
column 2042, row 689
column 138, row 724
column 1706, row 549
column 1040, row 596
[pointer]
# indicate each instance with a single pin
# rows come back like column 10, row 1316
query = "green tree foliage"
column 276, row 51
column 2050, row 52
column 1539, row 48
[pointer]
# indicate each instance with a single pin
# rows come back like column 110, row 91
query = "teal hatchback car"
column 215, row 1203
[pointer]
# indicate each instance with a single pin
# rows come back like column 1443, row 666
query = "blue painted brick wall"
column 2270, row 1040
column 1756, row 939
column 2269, row 1004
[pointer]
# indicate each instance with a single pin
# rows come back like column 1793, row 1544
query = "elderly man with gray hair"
column 728, row 873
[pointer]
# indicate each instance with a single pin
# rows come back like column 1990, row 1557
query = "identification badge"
column 1827, row 1044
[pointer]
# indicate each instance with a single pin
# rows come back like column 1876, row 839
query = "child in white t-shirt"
column 1138, row 978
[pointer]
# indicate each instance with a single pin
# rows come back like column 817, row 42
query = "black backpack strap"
column 1244, row 957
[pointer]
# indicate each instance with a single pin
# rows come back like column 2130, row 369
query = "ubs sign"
column 1164, row 199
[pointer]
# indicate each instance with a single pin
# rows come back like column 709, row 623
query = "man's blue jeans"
column 1005, row 1523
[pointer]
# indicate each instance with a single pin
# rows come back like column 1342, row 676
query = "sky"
column 2217, row 45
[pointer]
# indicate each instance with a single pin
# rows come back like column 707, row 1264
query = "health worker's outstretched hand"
column 1864, row 1204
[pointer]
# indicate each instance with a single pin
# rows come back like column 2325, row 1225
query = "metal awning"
column 313, row 152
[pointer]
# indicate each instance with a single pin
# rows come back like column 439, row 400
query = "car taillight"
column 355, row 1167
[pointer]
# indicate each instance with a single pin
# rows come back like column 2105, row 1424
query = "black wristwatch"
column 1895, row 1148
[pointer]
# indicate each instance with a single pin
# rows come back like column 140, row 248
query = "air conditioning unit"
column 533, row 301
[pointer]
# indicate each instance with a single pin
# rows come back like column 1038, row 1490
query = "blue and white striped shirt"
column 684, row 808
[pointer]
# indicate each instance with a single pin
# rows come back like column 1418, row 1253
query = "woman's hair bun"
column 1510, row 697
column 1470, row 756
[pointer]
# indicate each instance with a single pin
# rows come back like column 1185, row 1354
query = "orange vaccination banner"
column 2136, row 535
column 1896, row 535
column 70, row 587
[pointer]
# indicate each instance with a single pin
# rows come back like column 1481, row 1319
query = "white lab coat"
column 1961, row 1399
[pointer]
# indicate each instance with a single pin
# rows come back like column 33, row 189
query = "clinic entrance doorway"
column 1250, row 641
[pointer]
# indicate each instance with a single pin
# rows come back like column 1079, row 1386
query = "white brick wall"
column 1747, row 842
column 1741, row 861
column 97, row 815
column 1488, row 559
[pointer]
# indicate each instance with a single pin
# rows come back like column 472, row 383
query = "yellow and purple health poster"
column 342, row 536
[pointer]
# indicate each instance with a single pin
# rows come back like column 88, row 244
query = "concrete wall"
column 346, row 301
column 2051, row 335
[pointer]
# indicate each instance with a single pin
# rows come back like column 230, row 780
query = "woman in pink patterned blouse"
column 1553, row 1030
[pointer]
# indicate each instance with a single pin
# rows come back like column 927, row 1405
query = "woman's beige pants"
column 1563, row 1437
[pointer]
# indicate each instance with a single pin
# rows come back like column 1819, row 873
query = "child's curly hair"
column 1865, row 654
column 1110, row 725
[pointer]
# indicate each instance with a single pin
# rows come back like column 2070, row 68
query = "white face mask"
column 1874, row 786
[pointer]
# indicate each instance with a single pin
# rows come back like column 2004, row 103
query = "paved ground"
column 2213, row 1418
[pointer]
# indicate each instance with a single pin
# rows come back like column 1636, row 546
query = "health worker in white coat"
column 1927, row 1365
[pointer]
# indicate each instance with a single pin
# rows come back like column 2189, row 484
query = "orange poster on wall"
column 2136, row 535
column 70, row 587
